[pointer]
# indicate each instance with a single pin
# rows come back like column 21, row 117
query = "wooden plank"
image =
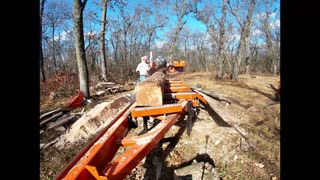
column 105, row 85
column 61, row 121
column 223, row 97
column 50, row 118
column 49, row 144
column 224, row 113
column 151, row 91
column 227, row 116
column 49, row 113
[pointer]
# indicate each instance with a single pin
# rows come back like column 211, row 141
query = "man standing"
column 143, row 68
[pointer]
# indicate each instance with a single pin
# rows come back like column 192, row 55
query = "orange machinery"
column 98, row 161
column 177, row 66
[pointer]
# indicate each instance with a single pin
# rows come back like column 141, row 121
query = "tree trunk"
column 149, row 42
column 248, row 65
column 247, row 69
column 41, row 51
column 78, row 7
column 93, row 60
column 171, row 53
column 222, row 39
column 54, row 50
column 275, row 68
column 243, row 40
column 102, row 41
column 271, row 51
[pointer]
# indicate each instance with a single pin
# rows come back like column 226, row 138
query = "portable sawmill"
column 177, row 66
column 158, row 98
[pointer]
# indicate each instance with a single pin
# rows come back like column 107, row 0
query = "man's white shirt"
column 143, row 68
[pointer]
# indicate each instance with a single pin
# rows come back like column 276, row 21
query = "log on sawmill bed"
column 51, row 118
column 50, row 113
column 151, row 91
column 61, row 121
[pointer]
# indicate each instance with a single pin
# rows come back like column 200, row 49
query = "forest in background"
column 104, row 40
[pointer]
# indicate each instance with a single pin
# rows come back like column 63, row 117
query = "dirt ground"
column 253, row 155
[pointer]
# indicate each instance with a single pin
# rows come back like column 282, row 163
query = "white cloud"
column 262, row 15
column 62, row 36
column 207, row 37
column 256, row 32
column 159, row 44
column 275, row 24
column 272, row 15
column 235, row 37
column 258, row 16
column 92, row 35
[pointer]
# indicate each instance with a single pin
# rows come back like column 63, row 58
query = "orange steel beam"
column 176, row 89
column 86, row 149
column 157, row 110
column 178, row 86
column 186, row 96
column 94, row 172
column 174, row 81
column 201, row 98
column 102, row 151
column 140, row 147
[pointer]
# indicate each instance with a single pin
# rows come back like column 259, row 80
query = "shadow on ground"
column 157, row 167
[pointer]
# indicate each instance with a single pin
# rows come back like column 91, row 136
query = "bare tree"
column 185, row 41
column 102, row 40
column 243, row 42
column 182, row 9
column 153, row 19
column 56, row 14
column 114, row 39
column 78, row 7
column 91, row 49
column 209, row 18
column 266, row 29
column 253, row 54
column 41, row 51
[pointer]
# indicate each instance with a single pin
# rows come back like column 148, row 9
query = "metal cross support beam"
column 157, row 110
column 186, row 96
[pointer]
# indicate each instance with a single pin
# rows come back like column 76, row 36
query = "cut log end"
column 151, row 91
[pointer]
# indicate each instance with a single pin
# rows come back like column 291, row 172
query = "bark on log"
column 151, row 91
column 50, row 118
column 227, row 116
column 49, row 144
column 105, row 85
column 61, row 121
column 224, row 113
column 223, row 97
column 49, row 113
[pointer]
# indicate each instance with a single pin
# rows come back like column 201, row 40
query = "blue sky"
column 192, row 24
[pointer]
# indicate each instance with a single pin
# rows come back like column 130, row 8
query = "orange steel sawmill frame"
column 97, row 160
